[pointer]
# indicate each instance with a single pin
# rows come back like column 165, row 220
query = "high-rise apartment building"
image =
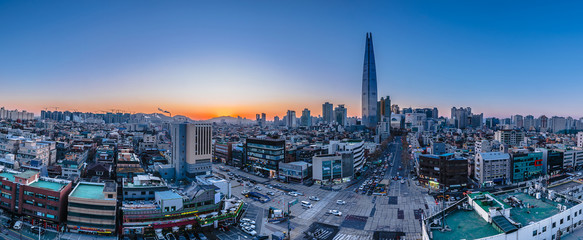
column 580, row 139
column 369, row 86
column 327, row 112
column 384, row 109
column 460, row 117
column 191, row 149
column 306, row 119
column 291, row 119
column 340, row 115
column 518, row 121
column 509, row 137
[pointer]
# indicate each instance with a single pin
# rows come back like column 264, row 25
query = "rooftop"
column 27, row 174
column 7, row 175
column 570, row 185
column 485, row 204
column 168, row 195
column 54, row 186
column 540, row 209
column 494, row 155
column 89, row 191
column 465, row 225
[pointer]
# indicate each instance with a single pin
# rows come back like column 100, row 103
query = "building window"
column 6, row 195
column 554, row 225
column 561, row 221
column 569, row 218
column 544, row 229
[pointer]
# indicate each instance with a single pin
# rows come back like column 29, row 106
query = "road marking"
column 310, row 213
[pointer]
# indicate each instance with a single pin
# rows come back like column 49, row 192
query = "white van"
column 306, row 204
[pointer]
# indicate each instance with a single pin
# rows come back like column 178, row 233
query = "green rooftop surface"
column 27, row 174
column 542, row 209
column 47, row 185
column 485, row 206
column 465, row 225
column 88, row 191
column 9, row 176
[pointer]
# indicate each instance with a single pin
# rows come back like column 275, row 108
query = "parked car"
column 202, row 236
column 340, row 202
column 17, row 225
column 271, row 193
column 170, row 236
column 249, row 231
column 293, row 194
column 335, row 212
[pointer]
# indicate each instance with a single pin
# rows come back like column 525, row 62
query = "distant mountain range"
column 229, row 120
column 181, row 118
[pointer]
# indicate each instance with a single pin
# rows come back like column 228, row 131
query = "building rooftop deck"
column 7, row 175
column 54, row 186
column 89, row 191
column 465, row 225
column 489, row 204
column 540, row 210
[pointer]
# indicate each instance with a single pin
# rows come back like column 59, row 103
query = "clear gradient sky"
column 212, row 58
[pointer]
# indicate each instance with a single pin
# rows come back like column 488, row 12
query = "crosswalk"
column 317, row 207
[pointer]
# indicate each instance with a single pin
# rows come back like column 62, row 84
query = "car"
column 160, row 236
column 314, row 198
column 340, row 202
column 293, row 194
column 335, row 212
column 244, row 192
column 402, row 181
column 249, row 231
column 17, row 225
column 246, row 220
column 258, row 188
column 271, row 193
column 202, row 236
column 170, row 236
column 191, row 236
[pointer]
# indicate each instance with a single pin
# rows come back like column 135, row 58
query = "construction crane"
column 164, row 111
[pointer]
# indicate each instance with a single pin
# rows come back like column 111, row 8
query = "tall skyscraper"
column 369, row 86
column 327, row 112
column 191, row 149
column 306, row 119
column 340, row 114
column 291, row 119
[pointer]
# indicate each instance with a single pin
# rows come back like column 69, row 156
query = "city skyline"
column 68, row 56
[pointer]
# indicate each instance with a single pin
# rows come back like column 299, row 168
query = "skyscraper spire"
column 369, row 86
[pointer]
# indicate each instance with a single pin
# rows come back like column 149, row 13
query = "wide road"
column 361, row 215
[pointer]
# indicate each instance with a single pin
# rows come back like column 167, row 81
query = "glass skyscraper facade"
column 369, row 86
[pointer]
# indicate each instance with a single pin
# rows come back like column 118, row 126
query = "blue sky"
column 211, row 58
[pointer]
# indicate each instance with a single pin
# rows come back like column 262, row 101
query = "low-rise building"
column 443, row 171
column 493, row 167
column 92, row 208
column 333, row 168
column 297, row 172
column 527, row 166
